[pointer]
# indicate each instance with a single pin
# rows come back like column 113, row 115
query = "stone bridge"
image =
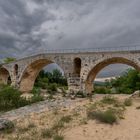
column 80, row 67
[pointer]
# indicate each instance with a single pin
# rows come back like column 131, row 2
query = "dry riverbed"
column 68, row 120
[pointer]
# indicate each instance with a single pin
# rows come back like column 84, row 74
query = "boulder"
column 6, row 124
column 136, row 94
column 59, row 90
column 27, row 95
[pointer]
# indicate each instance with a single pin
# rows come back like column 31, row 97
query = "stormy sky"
column 30, row 26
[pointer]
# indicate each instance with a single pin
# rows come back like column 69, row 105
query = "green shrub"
column 128, row 102
column 102, row 90
column 103, row 116
column 52, row 87
column 37, row 98
column 109, row 100
column 47, row 133
column 36, row 91
column 138, row 107
column 10, row 98
column 58, row 126
column 66, row 119
column 58, row 137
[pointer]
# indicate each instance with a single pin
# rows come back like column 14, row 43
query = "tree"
column 50, row 77
column 9, row 59
column 128, row 82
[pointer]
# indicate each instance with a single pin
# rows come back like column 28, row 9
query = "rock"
column 59, row 90
column 136, row 94
column 6, row 124
column 27, row 95
column 72, row 97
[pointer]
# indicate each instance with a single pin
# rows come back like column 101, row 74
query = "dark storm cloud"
column 19, row 26
column 29, row 26
column 45, row 24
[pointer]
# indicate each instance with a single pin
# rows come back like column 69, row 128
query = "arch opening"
column 101, row 65
column 16, row 69
column 77, row 66
column 5, row 76
column 32, row 71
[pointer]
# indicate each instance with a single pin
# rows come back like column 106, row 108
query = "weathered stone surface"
column 37, row 108
column 6, row 124
column 59, row 90
column 136, row 94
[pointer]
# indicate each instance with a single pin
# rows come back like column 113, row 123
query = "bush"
column 36, row 91
column 10, row 98
column 66, row 119
column 103, row 116
column 109, row 100
column 58, row 126
column 128, row 102
column 102, row 90
column 52, row 87
column 36, row 98
column 58, row 137
column 138, row 107
column 47, row 133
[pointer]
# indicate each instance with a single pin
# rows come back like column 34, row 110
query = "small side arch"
column 5, row 77
column 16, row 69
column 77, row 66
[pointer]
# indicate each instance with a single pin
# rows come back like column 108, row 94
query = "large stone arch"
column 30, row 73
column 4, row 75
column 105, row 62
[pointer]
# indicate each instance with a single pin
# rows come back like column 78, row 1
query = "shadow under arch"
column 102, row 64
column 5, row 76
column 30, row 74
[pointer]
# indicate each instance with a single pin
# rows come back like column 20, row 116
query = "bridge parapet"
column 122, row 48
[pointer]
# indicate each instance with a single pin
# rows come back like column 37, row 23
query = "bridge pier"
column 75, row 84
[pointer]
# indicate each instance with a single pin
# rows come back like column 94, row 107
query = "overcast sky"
column 28, row 26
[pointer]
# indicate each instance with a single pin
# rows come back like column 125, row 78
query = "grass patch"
column 83, row 121
column 55, row 129
column 24, row 129
column 138, row 107
column 66, row 119
column 107, row 116
column 47, row 133
column 58, row 137
column 59, row 125
column 109, row 100
column 128, row 102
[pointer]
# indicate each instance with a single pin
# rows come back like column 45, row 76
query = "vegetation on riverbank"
column 10, row 98
column 126, row 84
column 51, row 80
